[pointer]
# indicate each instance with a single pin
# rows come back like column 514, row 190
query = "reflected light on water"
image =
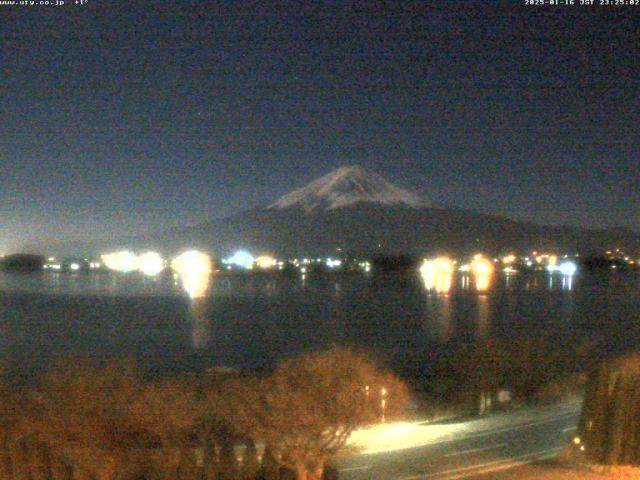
column 201, row 323
column 483, row 315
column 482, row 270
column 567, row 282
column 437, row 274
column 508, row 277
column 194, row 270
column 439, row 315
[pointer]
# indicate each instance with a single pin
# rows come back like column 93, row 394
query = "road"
column 449, row 451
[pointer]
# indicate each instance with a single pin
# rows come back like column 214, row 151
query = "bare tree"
column 309, row 407
column 171, row 409
column 87, row 417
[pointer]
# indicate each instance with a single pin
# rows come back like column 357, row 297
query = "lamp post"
column 383, row 401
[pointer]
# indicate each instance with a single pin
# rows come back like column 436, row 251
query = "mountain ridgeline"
column 361, row 213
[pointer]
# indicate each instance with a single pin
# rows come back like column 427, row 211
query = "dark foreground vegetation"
column 110, row 422
column 86, row 422
column 610, row 422
column 464, row 378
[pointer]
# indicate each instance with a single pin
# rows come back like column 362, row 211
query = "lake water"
column 254, row 320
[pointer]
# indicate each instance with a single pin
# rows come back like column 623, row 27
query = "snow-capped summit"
column 346, row 186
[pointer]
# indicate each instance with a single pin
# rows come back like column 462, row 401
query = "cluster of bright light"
column 482, row 270
column 265, row 262
column 333, row 263
column 366, row 266
column 194, row 270
column 542, row 259
column 150, row 263
column 437, row 274
column 481, row 265
column 567, row 268
column 241, row 258
column 618, row 254
column 389, row 437
column 74, row 266
column 123, row 261
column 508, row 259
column 191, row 261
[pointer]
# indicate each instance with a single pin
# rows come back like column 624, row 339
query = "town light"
column 567, row 268
column 122, row 261
column 437, row 274
column 332, row 263
column 265, row 262
column 242, row 258
column 482, row 269
column 194, row 269
column 508, row 259
column 150, row 263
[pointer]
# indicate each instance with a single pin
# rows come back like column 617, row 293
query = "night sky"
column 123, row 117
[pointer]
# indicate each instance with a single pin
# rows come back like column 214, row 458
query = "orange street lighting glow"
column 437, row 274
column 482, row 270
column 150, row 263
column 194, row 269
column 509, row 259
column 122, row 261
column 265, row 262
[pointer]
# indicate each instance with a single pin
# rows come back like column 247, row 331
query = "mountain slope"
column 360, row 212
column 348, row 186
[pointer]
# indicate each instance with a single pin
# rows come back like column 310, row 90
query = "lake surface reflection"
column 255, row 320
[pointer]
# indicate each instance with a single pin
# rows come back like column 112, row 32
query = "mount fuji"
column 362, row 213
column 345, row 187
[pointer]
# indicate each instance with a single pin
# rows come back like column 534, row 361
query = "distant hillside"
column 360, row 212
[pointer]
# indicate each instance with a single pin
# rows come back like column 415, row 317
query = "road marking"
column 519, row 426
column 569, row 429
column 487, row 433
column 512, row 428
column 519, row 462
column 474, row 450
column 570, row 408
column 503, row 464
column 351, row 469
